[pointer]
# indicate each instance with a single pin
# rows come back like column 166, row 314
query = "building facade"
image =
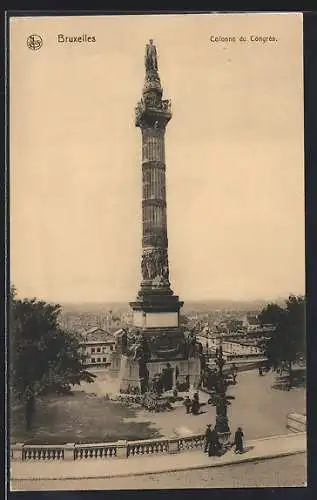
column 98, row 346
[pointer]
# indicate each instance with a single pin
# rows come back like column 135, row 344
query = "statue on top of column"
column 150, row 57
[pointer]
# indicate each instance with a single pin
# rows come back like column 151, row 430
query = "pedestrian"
column 238, row 440
column 207, row 437
column 195, row 404
column 214, row 445
column 187, row 404
column 260, row 371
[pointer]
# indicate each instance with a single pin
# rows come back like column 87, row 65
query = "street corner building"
column 156, row 345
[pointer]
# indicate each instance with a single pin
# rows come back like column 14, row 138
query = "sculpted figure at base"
column 154, row 264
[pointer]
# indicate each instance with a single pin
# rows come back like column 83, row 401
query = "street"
column 286, row 471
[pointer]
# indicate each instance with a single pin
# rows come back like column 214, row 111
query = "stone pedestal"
column 69, row 451
column 129, row 374
column 122, row 449
column 17, row 451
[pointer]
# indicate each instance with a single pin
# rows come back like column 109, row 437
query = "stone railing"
column 147, row 447
column 189, row 443
column 119, row 449
column 20, row 451
column 97, row 450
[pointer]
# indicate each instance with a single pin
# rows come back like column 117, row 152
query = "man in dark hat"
column 214, row 445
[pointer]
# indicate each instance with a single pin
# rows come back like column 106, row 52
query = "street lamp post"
column 222, row 403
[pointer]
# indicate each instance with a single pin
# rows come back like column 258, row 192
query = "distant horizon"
column 277, row 298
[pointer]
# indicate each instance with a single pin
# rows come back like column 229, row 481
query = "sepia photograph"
column 156, row 317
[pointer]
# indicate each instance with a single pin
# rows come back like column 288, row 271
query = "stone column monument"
column 157, row 341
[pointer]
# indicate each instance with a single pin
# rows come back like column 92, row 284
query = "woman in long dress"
column 238, row 440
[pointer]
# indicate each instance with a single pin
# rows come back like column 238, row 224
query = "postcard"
column 157, row 251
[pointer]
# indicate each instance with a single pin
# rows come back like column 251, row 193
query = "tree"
column 272, row 314
column 287, row 345
column 44, row 357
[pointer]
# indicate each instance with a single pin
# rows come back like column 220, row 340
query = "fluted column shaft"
column 154, row 190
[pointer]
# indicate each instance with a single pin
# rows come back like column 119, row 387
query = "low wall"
column 119, row 449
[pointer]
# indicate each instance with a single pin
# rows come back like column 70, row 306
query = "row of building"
column 98, row 345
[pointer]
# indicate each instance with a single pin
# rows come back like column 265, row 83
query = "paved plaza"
column 258, row 408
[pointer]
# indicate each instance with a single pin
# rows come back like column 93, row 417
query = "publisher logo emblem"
column 34, row 42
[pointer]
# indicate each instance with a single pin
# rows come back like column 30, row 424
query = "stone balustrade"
column 147, row 447
column 118, row 449
column 96, row 450
column 38, row 452
column 189, row 443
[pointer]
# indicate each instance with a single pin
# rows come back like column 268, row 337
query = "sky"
column 234, row 156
